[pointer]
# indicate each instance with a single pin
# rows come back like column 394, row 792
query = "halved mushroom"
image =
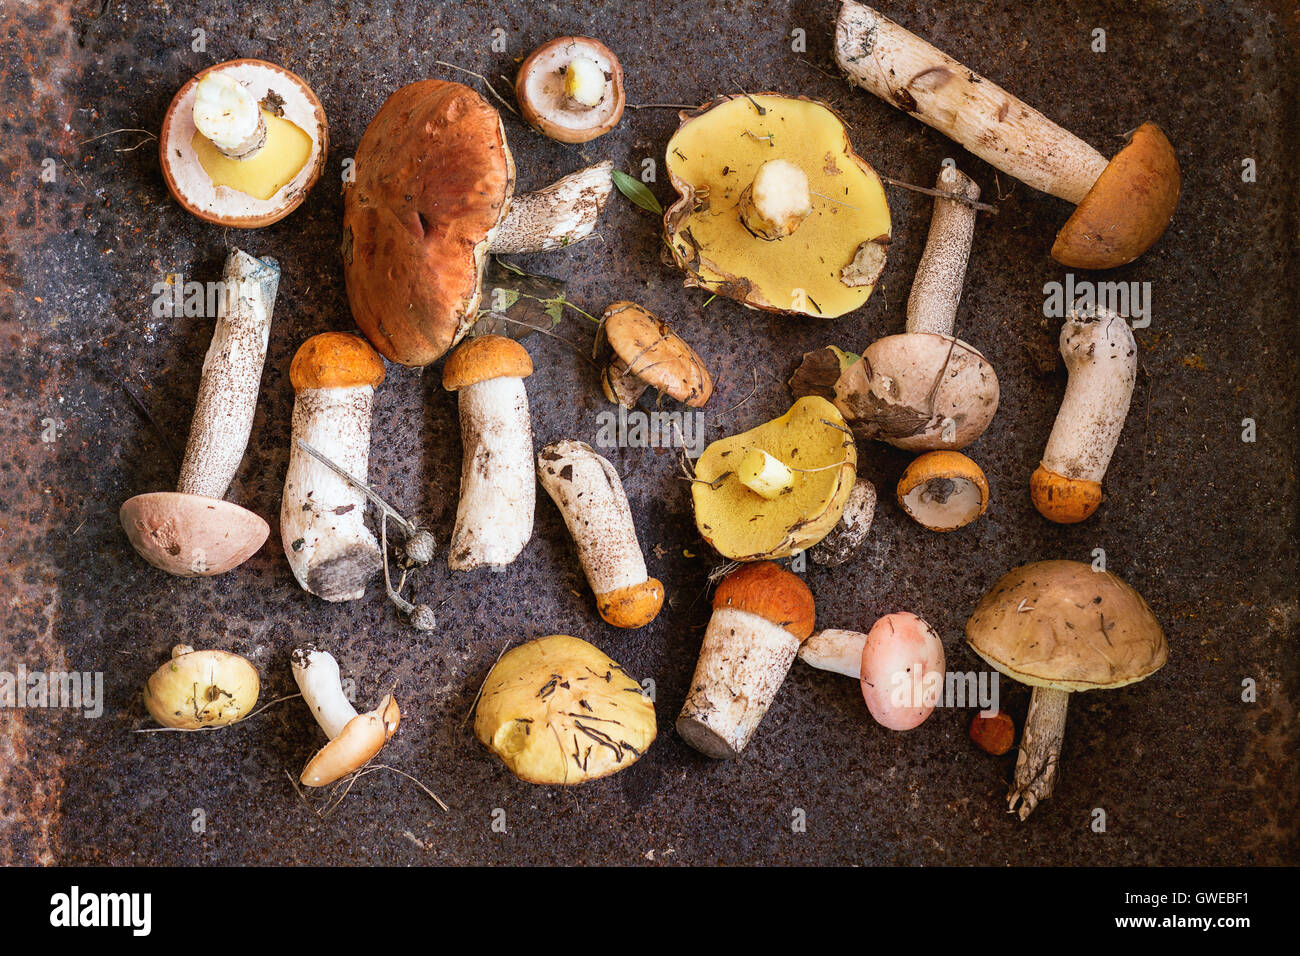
column 645, row 353
column 201, row 689
column 571, row 89
column 943, row 490
column 776, row 211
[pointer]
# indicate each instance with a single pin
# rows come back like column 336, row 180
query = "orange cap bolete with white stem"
column 354, row 739
column 761, row 614
column 322, row 516
column 1101, row 356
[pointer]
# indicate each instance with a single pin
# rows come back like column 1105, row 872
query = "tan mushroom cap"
column 485, row 357
column 362, row 738
column 1128, row 207
column 191, row 535
column 655, row 354
column 539, row 90
column 1062, row 625
column 559, row 711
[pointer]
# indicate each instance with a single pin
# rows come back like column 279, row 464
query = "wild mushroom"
column 322, row 515
column 943, row 490
column 761, row 614
column 778, row 488
column 776, row 211
column 1124, row 204
column 854, row 525
column 192, row 531
column 1101, row 358
column 1061, row 627
column 433, row 195
column 899, row 663
column 571, row 89
column 588, row 492
column 201, row 689
column 645, row 353
column 242, row 143
column 498, row 490
column 925, row 389
column 354, row 739
column 558, row 711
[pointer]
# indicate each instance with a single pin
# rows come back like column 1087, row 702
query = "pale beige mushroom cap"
column 362, row 738
column 1062, row 625
column 201, row 689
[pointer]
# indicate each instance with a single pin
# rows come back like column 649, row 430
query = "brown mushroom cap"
column 771, row 592
column 485, row 357
column 1062, row 625
column 539, row 90
column 434, row 177
column 362, row 738
column 191, row 535
column 1128, row 207
column 655, row 354
column 335, row 360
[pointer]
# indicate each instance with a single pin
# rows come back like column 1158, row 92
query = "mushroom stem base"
column 1040, row 750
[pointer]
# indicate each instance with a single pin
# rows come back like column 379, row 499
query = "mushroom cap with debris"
column 647, row 349
column 559, row 711
column 1062, row 625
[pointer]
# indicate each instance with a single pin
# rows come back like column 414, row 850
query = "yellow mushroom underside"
column 714, row 156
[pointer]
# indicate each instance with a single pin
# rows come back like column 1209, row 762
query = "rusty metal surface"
column 1201, row 523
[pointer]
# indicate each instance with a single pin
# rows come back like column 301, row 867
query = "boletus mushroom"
column 776, row 210
column 354, row 739
column 1123, row 204
column 1061, row 627
column 242, row 143
column 778, row 488
column 197, row 689
column 943, row 490
column 571, row 89
column 559, row 711
column 192, row 531
column 433, row 195
column 644, row 353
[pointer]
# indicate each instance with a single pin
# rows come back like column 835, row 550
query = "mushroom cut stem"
column 354, row 739
column 901, row 68
column 232, row 376
column 317, row 676
column 835, row 650
column 936, row 290
column 1040, row 750
column 557, row 216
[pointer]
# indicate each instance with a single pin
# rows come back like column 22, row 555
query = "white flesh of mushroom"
column 777, row 201
column 563, row 213
column 765, row 474
column 494, row 519
column 227, row 113
column 835, row 650
column 317, row 676
column 941, row 504
column 584, row 82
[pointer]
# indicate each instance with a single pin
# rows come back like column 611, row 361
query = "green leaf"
column 638, row 192
column 555, row 309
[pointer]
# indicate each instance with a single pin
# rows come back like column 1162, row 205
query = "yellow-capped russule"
column 197, row 689
column 943, row 490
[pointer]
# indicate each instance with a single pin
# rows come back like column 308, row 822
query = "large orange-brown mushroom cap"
column 1128, row 207
column 771, row 592
column 335, row 360
column 434, row 177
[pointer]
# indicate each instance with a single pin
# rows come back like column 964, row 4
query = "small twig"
column 195, row 730
column 662, row 106
column 474, row 702
column 114, row 132
column 408, row 527
column 370, row 768
column 973, row 203
column 752, row 393
column 499, row 98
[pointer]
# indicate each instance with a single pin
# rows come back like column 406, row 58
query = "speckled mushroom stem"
column 557, row 216
column 936, row 290
column 232, row 376
column 1040, row 750
column 902, row 69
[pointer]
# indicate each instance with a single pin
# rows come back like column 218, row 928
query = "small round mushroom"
column 354, row 739
column 192, row 531
column 198, row 689
column 645, row 353
column 588, row 492
column 761, row 614
column 498, row 490
column 1124, row 204
column 322, row 515
column 559, row 711
column 1061, row 627
column 943, row 490
column 925, row 389
column 242, row 143
column 571, row 89
column 854, row 525
column 1101, row 357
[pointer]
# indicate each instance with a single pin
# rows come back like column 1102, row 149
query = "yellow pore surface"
column 265, row 173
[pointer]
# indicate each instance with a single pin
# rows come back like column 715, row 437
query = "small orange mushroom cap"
column 1061, row 499
column 771, row 592
column 335, row 360
column 485, row 357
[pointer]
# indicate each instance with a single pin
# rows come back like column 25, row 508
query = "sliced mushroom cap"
column 713, row 159
column 943, row 490
column 191, row 535
column 201, row 689
column 362, row 738
column 551, row 76
column 559, row 711
column 648, row 353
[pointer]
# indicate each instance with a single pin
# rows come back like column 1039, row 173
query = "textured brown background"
column 1203, row 524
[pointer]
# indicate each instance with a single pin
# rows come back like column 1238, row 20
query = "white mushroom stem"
column 228, row 115
column 498, row 490
column 765, row 474
column 902, row 69
column 232, row 376
column 777, row 201
column 1101, row 357
column 317, row 676
column 742, row 663
column 936, row 290
column 1040, row 750
column 834, row 650
column 331, row 551
column 588, row 492
column 563, row 213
